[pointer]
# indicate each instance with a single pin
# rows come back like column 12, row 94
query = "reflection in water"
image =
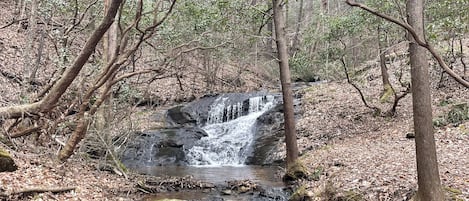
column 268, row 176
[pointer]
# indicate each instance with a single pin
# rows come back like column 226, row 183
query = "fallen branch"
column 43, row 190
column 12, row 22
column 26, row 131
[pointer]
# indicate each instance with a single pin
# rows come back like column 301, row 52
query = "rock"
column 6, row 162
column 161, row 147
column 227, row 192
column 177, row 117
column 269, row 138
column 410, row 135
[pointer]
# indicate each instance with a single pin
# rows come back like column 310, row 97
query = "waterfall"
column 230, row 132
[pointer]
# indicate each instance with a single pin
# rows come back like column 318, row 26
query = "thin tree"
column 427, row 164
column 288, row 112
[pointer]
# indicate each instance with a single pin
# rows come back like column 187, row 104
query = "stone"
column 161, row 147
column 6, row 162
column 410, row 135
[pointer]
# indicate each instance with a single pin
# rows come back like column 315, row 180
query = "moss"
column 330, row 192
column 301, row 194
column 6, row 162
column 4, row 153
column 387, row 93
column 316, row 175
column 454, row 193
column 439, row 122
column 464, row 130
column 296, row 171
column 453, row 190
column 458, row 113
column 352, row 195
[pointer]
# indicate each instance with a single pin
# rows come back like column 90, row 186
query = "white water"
column 229, row 134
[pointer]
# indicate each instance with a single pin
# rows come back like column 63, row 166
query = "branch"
column 43, row 190
column 420, row 41
column 375, row 109
column 12, row 22
column 25, row 132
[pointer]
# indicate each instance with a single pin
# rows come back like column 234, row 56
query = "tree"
column 288, row 111
column 427, row 164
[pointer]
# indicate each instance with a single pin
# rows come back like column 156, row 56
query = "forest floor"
column 348, row 150
column 370, row 157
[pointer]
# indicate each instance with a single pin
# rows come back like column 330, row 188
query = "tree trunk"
column 382, row 62
column 109, row 47
column 429, row 186
column 289, row 116
column 30, row 50
column 270, row 40
column 296, row 40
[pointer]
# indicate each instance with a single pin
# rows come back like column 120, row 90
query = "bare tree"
column 289, row 116
column 427, row 164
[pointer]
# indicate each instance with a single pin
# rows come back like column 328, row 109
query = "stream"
column 217, row 157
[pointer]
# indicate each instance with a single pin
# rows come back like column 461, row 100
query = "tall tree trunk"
column 429, row 186
column 289, row 116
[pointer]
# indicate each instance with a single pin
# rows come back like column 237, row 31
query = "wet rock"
column 161, row 147
column 269, row 138
column 178, row 117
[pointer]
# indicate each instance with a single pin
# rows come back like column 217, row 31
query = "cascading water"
column 229, row 128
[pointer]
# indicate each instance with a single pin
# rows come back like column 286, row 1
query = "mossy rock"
column 6, row 162
column 295, row 172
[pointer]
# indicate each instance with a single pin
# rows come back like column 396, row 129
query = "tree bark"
column 429, row 186
column 289, row 116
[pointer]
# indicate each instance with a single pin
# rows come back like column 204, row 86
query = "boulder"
column 161, row 147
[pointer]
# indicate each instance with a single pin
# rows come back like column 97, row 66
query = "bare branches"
column 419, row 40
